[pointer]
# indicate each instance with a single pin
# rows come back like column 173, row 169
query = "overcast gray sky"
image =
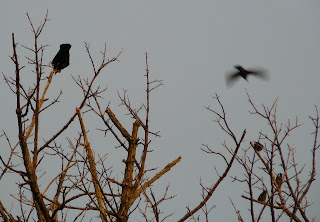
column 191, row 45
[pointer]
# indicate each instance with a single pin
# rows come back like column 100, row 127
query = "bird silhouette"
column 263, row 196
column 244, row 73
column 257, row 146
column 279, row 179
column 61, row 60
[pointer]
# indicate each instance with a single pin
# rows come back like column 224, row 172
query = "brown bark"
column 43, row 213
column 93, row 170
column 127, row 189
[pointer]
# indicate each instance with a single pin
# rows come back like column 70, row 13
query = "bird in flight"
column 61, row 60
column 244, row 73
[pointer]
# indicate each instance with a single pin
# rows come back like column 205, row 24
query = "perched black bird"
column 61, row 60
column 279, row 179
column 257, row 146
column 263, row 196
column 241, row 72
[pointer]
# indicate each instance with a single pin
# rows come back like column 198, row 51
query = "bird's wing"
column 56, row 59
column 259, row 73
column 232, row 77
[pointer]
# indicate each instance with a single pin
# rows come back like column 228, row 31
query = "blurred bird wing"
column 259, row 73
column 231, row 78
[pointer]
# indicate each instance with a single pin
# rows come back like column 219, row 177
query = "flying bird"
column 244, row 73
column 257, row 146
column 263, row 196
column 61, row 60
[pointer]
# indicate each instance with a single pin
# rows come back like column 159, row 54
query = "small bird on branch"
column 257, row 146
column 61, row 60
column 263, row 196
column 279, row 180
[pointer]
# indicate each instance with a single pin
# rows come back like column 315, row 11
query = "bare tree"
column 86, row 184
column 284, row 190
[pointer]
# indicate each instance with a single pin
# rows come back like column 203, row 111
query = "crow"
column 241, row 72
column 61, row 60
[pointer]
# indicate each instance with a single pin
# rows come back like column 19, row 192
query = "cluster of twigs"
column 283, row 190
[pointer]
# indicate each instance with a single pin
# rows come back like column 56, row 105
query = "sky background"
column 191, row 45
